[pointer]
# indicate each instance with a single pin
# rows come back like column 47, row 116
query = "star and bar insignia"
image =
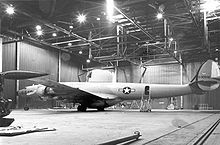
column 126, row 90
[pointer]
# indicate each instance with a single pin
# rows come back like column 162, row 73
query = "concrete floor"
column 92, row 127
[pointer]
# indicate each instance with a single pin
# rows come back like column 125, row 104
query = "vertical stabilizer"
column 208, row 76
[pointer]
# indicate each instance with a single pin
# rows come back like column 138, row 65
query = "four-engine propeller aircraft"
column 102, row 95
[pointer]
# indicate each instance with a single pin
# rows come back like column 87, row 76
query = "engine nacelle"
column 41, row 91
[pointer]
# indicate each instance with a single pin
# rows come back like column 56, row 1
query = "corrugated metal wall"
column 170, row 74
column 34, row 58
column 70, row 69
column 163, row 74
column 193, row 101
column 9, row 63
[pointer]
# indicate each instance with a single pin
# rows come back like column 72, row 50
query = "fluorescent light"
column 81, row 18
column 110, row 9
column 159, row 16
column 10, row 10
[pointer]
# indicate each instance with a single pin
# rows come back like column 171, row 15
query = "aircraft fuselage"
column 131, row 91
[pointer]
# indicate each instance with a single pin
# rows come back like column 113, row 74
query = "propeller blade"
column 19, row 74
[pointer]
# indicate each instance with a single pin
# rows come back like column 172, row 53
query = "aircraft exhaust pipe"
column 123, row 140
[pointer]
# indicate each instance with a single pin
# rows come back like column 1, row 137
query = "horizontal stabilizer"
column 20, row 74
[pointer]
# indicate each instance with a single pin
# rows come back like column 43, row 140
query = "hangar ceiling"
column 135, row 35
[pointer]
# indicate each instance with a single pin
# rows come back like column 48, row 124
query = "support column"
column 119, row 32
column 0, row 47
column 59, row 66
column 17, row 49
column 0, row 54
column 206, row 39
column 181, row 80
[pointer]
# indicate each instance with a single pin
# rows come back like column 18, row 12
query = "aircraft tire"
column 26, row 108
column 81, row 108
column 101, row 109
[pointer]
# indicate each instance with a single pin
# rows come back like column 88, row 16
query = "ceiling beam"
column 53, row 26
column 136, row 24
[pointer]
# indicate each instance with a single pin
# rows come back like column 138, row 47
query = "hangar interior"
column 171, row 48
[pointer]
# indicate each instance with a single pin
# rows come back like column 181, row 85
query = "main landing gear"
column 145, row 105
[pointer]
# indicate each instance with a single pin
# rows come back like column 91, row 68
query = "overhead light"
column 10, row 10
column 175, row 51
column 88, row 60
column 110, row 9
column 81, row 18
column 210, row 5
column 171, row 39
column 159, row 16
column 98, row 19
column 54, row 34
column 38, row 27
column 71, row 27
column 69, row 44
column 39, row 32
column 80, row 52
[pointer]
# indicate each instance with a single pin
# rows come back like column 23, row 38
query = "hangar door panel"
column 9, row 63
column 40, row 59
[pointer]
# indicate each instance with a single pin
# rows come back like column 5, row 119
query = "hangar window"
column 147, row 90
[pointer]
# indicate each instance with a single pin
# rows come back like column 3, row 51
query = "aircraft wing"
column 74, row 93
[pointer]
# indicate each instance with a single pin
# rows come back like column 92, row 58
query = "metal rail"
column 123, row 140
column 183, row 127
column 206, row 135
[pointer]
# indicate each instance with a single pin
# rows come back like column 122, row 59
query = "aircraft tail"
column 208, row 76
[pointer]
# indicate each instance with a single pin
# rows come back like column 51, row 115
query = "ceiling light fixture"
column 10, row 10
column 38, row 27
column 39, row 32
column 159, row 16
column 54, row 34
column 171, row 39
column 69, row 44
column 80, row 52
column 81, row 18
column 71, row 27
column 88, row 60
column 110, row 9
column 210, row 5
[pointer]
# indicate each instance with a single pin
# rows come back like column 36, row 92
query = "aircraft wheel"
column 101, row 109
column 26, row 108
column 81, row 108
